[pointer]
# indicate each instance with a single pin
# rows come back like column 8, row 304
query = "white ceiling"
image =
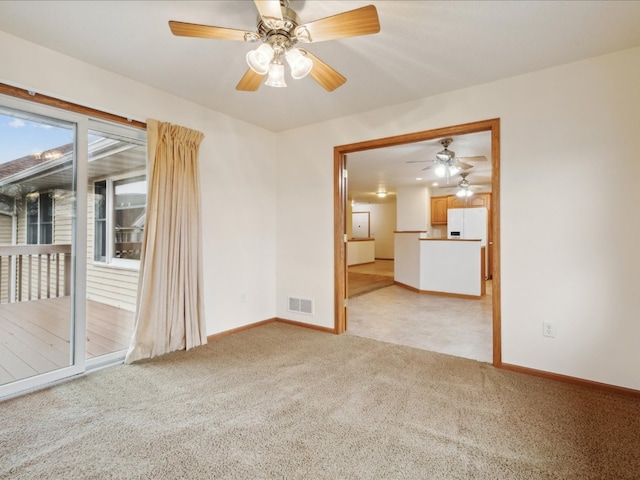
column 424, row 48
column 387, row 168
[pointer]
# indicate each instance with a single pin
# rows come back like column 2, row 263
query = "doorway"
column 340, row 213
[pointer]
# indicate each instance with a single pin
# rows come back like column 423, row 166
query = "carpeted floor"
column 283, row 402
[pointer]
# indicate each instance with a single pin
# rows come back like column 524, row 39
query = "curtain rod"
column 73, row 107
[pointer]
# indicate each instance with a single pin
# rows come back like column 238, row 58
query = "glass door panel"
column 37, row 247
column 116, row 214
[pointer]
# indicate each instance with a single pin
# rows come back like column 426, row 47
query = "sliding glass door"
column 41, row 339
column 116, row 217
column 73, row 196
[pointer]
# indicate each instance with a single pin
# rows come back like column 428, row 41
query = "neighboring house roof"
column 51, row 169
column 19, row 165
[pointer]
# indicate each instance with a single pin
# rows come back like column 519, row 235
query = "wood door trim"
column 340, row 197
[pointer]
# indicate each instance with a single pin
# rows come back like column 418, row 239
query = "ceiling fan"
column 464, row 189
column 279, row 30
column 446, row 163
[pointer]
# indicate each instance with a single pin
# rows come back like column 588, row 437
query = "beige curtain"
column 170, row 313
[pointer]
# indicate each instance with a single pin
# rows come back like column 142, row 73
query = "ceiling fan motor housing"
column 279, row 34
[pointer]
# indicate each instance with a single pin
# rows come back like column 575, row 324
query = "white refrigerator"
column 469, row 223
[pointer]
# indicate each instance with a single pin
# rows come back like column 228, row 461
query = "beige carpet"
column 282, row 402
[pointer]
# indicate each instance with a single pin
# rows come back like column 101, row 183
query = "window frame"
column 39, row 224
column 110, row 260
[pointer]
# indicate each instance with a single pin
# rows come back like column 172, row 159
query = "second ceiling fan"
column 446, row 163
column 278, row 31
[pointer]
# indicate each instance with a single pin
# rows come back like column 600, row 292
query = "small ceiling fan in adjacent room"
column 446, row 164
column 278, row 31
column 464, row 188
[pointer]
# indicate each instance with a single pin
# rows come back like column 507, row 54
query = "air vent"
column 301, row 305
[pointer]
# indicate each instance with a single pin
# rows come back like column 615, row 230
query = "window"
column 100, row 219
column 119, row 219
column 130, row 205
column 40, row 218
column 117, row 172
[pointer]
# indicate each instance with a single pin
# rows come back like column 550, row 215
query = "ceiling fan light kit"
column 443, row 170
column 464, row 187
column 300, row 64
column 463, row 193
column 279, row 29
column 276, row 76
column 260, row 58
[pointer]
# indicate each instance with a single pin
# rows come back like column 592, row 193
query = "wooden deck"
column 34, row 336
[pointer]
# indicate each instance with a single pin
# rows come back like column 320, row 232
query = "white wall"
column 237, row 173
column 406, row 268
column 382, row 223
column 414, row 209
column 569, row 147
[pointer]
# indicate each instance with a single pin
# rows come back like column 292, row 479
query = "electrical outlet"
column 548, row 329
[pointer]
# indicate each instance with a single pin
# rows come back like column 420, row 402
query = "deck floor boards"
column 34, row 336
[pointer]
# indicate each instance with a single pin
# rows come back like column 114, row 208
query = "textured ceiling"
column 424, row 48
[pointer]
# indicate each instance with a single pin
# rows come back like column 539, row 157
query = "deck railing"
column 31, row 272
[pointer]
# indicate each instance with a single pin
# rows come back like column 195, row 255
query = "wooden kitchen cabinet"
column 439, row 206
column 477, row 200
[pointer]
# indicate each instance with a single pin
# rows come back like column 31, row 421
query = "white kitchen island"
column 440, row 266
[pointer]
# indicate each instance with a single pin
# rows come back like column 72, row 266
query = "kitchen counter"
column 440, row 265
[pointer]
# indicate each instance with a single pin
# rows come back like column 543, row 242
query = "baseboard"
column 452, row 295
column 573, row 380
column 504, row 366
column 408, row 287
column 306, row 325
column 441, row 294
column 216, row 336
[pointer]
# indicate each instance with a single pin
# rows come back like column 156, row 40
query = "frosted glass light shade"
column 464, row 193
column 453, row 170
column 300, row 64
column 260, row 58
column 440, row 171
column 276, row 76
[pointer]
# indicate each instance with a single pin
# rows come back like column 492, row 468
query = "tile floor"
column 460, row 327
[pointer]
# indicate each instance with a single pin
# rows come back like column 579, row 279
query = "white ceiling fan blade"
column 479, row 158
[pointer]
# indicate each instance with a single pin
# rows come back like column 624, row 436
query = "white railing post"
column 16, row 264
